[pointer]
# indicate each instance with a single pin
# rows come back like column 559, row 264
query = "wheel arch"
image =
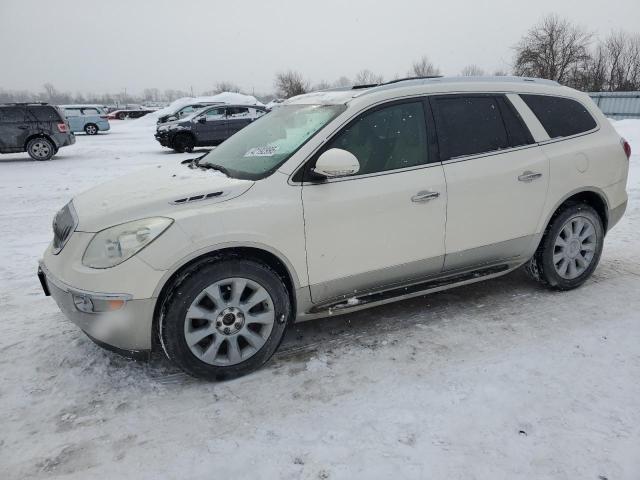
column 591, row 196
column 39, row 135
column 260, row 253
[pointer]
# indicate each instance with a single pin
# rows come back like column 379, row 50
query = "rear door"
column 497, row 179
column 14, row 129
column 74, row 117
column 237, row 119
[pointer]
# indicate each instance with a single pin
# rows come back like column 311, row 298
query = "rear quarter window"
column 560, row 117
column 45, row 114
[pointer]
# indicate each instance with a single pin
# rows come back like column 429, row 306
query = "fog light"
column 83, row 303
column 87, row 304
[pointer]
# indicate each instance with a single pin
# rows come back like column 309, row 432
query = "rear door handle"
column 23, row 127
column 424, row 196
column 529, row 176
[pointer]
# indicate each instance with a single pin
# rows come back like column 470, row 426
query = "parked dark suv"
column 208, row 126
column 36, row 128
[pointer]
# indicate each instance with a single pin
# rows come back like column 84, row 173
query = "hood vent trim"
column 196, row 198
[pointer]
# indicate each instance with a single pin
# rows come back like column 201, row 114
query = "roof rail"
column 404, row 82
column 24, row 103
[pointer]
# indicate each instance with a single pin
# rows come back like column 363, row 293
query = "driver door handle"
column 424, row 196
column 529, row 176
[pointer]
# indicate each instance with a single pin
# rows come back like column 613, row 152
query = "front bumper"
column 163, row 139
column 126, row 330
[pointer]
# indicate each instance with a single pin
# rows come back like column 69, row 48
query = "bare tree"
column 226, row 87
column 342, row 82
column 622, row 59
column 321, row 85
column 291, row 83
column 423, row 68
column 367, row 77
column 552, row 49
column 472, row 71
column 500, row 73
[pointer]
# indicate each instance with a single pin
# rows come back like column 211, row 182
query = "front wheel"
column 570, row 249
column 225, row 318
column 41, row 149
column 183, row 142
column 90, row 129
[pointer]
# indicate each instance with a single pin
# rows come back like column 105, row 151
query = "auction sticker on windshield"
column 266, row 151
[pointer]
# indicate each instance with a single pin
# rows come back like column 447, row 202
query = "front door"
column 211, row 126
column 496, row 176
column 385, row 224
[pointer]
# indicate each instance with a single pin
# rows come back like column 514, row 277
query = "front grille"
column 64, row 223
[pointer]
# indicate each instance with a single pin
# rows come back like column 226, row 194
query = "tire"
column 213, row 323
column 122, row 115
column 183, row 142
column 91, row 129
column 570, row 248
column 41, row 148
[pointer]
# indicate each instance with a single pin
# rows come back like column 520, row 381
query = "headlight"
column 114, row 245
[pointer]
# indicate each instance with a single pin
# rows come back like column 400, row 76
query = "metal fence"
column 618, row 105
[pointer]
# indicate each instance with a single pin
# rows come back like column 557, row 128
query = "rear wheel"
column 91, row 129
column 122, row 115
column 41, row 149
column 183, row 142
column 570, row 249
column 225, row 318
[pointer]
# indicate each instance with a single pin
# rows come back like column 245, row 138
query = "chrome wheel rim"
column 91, row 130
column 40, row 149
column 229, row 321
column 575, row 247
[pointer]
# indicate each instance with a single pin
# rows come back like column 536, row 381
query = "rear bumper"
column 64, row 139
column 125, row 330
column 615, row 214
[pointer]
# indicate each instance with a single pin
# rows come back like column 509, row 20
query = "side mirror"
column 202, row 120
column 336, row 162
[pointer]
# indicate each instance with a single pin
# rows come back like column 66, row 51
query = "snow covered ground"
column 502, row 379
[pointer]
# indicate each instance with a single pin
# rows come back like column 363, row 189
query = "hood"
column 157, row 191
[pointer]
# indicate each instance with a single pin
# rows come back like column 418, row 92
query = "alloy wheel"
column 575, row 247
column 41, row 149
column 229, row 321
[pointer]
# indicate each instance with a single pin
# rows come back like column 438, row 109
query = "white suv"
column 334, row 202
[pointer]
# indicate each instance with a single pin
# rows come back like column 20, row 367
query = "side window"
column 215, row 113
column 90, row 111
column 186, row 110
column 468, row 125
column 517, row 130
column 386, row 139
column 45, row 113
column 255, row 113
column 560, row 117
column 72, row 112
column 11, row 114
column 237, row 112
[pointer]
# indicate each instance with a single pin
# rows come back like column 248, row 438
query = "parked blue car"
column 90, row 119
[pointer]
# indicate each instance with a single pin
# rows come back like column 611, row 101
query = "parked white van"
column 334, row 202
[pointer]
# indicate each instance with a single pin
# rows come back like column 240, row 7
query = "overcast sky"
column 106, row 46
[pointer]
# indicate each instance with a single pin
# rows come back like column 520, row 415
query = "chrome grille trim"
column 64, row 223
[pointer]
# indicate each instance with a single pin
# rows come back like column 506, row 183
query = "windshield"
column 260, row 148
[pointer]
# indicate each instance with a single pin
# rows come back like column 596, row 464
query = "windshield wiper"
column 212, row 166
